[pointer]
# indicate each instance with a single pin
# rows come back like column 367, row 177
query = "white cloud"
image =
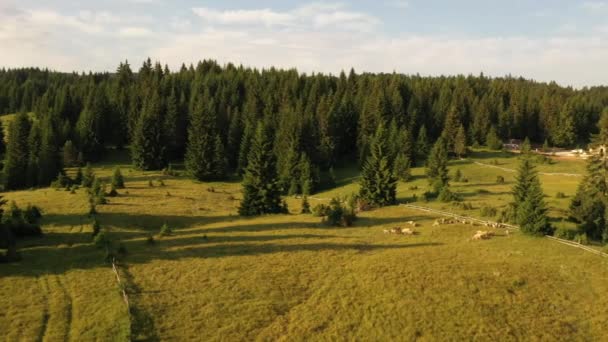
column 134, row 32
column 265, row 17
column 595, row 5
column 399, row 3
column 313, row 15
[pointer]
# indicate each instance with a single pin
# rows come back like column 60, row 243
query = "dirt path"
column 540, row 173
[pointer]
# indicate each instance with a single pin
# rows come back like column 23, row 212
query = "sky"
column 562, row 41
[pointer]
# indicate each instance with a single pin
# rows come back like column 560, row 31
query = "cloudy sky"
column 565, row 41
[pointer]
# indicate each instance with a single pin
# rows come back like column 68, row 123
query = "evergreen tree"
column 91, row 125
column 148, row 145
column 402, row 167
column 261, row 189
column 70, row 154
column 493, row 142
column 437, row 165
column 306, row 175
column 204, row 153
column 422, row 145
column 528, row 201
column 79, row 176
column 50, row 164
column 460, row 143
column 34, row 141
column 378, row 184
column 526, row 147
column 88, row 176
column 118, row 181
column 2, row 143
column 305, row 205
column 17, row 153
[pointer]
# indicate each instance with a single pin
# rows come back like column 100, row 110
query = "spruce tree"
column 529, row 206
column 91, row 125
column 70, row 154
column 261, row 189
column 492, row 140
column 422, row 145
column 220, row 162
column 306, row 175
column 202, row 144
column 2, row 143
column 88, row 176
column 437, row 165
column 378, row 183
column 460, row 143
column 50, row 163
column 17, row 153
column 526, row 147
column 118, row 181
column 34, row 141
column 148, row 145
column 402, row 167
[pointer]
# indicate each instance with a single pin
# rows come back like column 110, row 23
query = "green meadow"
column 290, row 277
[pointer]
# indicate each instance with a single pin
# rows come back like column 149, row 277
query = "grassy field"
column 288, row 277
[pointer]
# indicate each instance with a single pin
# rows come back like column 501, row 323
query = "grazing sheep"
column 396, row 230
column 482, row 235
column 407, row 231
column 436, row 224
column 385, row 231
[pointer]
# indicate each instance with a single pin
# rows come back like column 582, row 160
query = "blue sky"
column 565, row 41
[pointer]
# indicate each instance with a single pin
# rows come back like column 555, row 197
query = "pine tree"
column 202, row 143
column 526, row 147
column 70, row 154
column 2, row 143
column 220, row 162
column 118, row 181
column 261, row 189
column 79, row 176
column 529, row 206
column 305, row 205
column 88, row 176
column 460, row 143
column 402, row 167
column 34, row 141
column 378, row 184
column 422, row 145
column 306, row 175
column 91, row 124
column 17, row 153
column 437, row 165
column 50, row 163
column 450, row 128
column 148, row 145
column 492, row 140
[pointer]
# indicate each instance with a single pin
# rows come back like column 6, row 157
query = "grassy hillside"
column 288, row 277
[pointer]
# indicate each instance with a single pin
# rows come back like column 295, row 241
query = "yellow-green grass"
column 288, row 277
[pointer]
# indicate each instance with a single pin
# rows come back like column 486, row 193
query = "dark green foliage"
column 95, row 227
column 378, row 184
column 560, row 194
column 460, row 142
column 402, row 167
column 457, row 175
column 88, row 177
column 78, row 178
column 339, row 213
column 148, row 144
column 530, row 210
column 446, row 195
column 261, row 190
column 422, row 144
column 22, row 223
column 500, row 180
column 112, row 192
column 17, row 153
column 205, row 157
column 305, row 205
column 526, row 147
column 118, row 181
column 437, row 166
column 488, row 211
column 493, row 142
column 91, row 124
column 70, row 155
column 565, row 233
column 165, row 230
column 101, row 240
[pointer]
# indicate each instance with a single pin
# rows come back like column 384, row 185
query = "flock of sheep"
column 480, row 235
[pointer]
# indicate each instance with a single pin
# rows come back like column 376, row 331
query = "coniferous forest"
column 206, row 116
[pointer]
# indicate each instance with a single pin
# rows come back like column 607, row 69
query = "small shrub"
column 101, row 240
column 211, row 189
column 361, row 204
column 446, row 195
column 122, row 250
column 582, row 239
column 464, row 180
column 560, row 195
column 305, row 205
column 457, row 175
column 565, row 233
column 414, row 187
column 165, row 230
column 500, row 180
column 150, row 184
column 96, row 227
column 428, row 196
column 161, row 182
column 320, row 210
column 339, row 214
column 494, row 162
column 488, row 211
column 482, row 191
column 92, row 209
column 150, row 240
column 168, row 194
column 463, row 205
column 113, row 192
column 118, row 181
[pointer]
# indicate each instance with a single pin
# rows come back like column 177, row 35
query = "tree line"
column 207, row 117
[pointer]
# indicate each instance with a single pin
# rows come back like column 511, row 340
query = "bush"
column 96, row 227
column 161, row 182
column 150, row 184
column 414, row 187
column 305, row 205
column 113, row 192
column 446, row 195
column 118, row 181
column 150, row 240
column 457, row 175
column 463, row 205
column 101, row 240
column 488, row 211
column 582, row 239
column 483, row 191
column 500, row 180
column 565, row 233
column 428, row 196
column 339, row 214
column 320, row 210
column 62, row 181
column 32, row 214
column 560, row 195
column 22, row 223
column 165, row 230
